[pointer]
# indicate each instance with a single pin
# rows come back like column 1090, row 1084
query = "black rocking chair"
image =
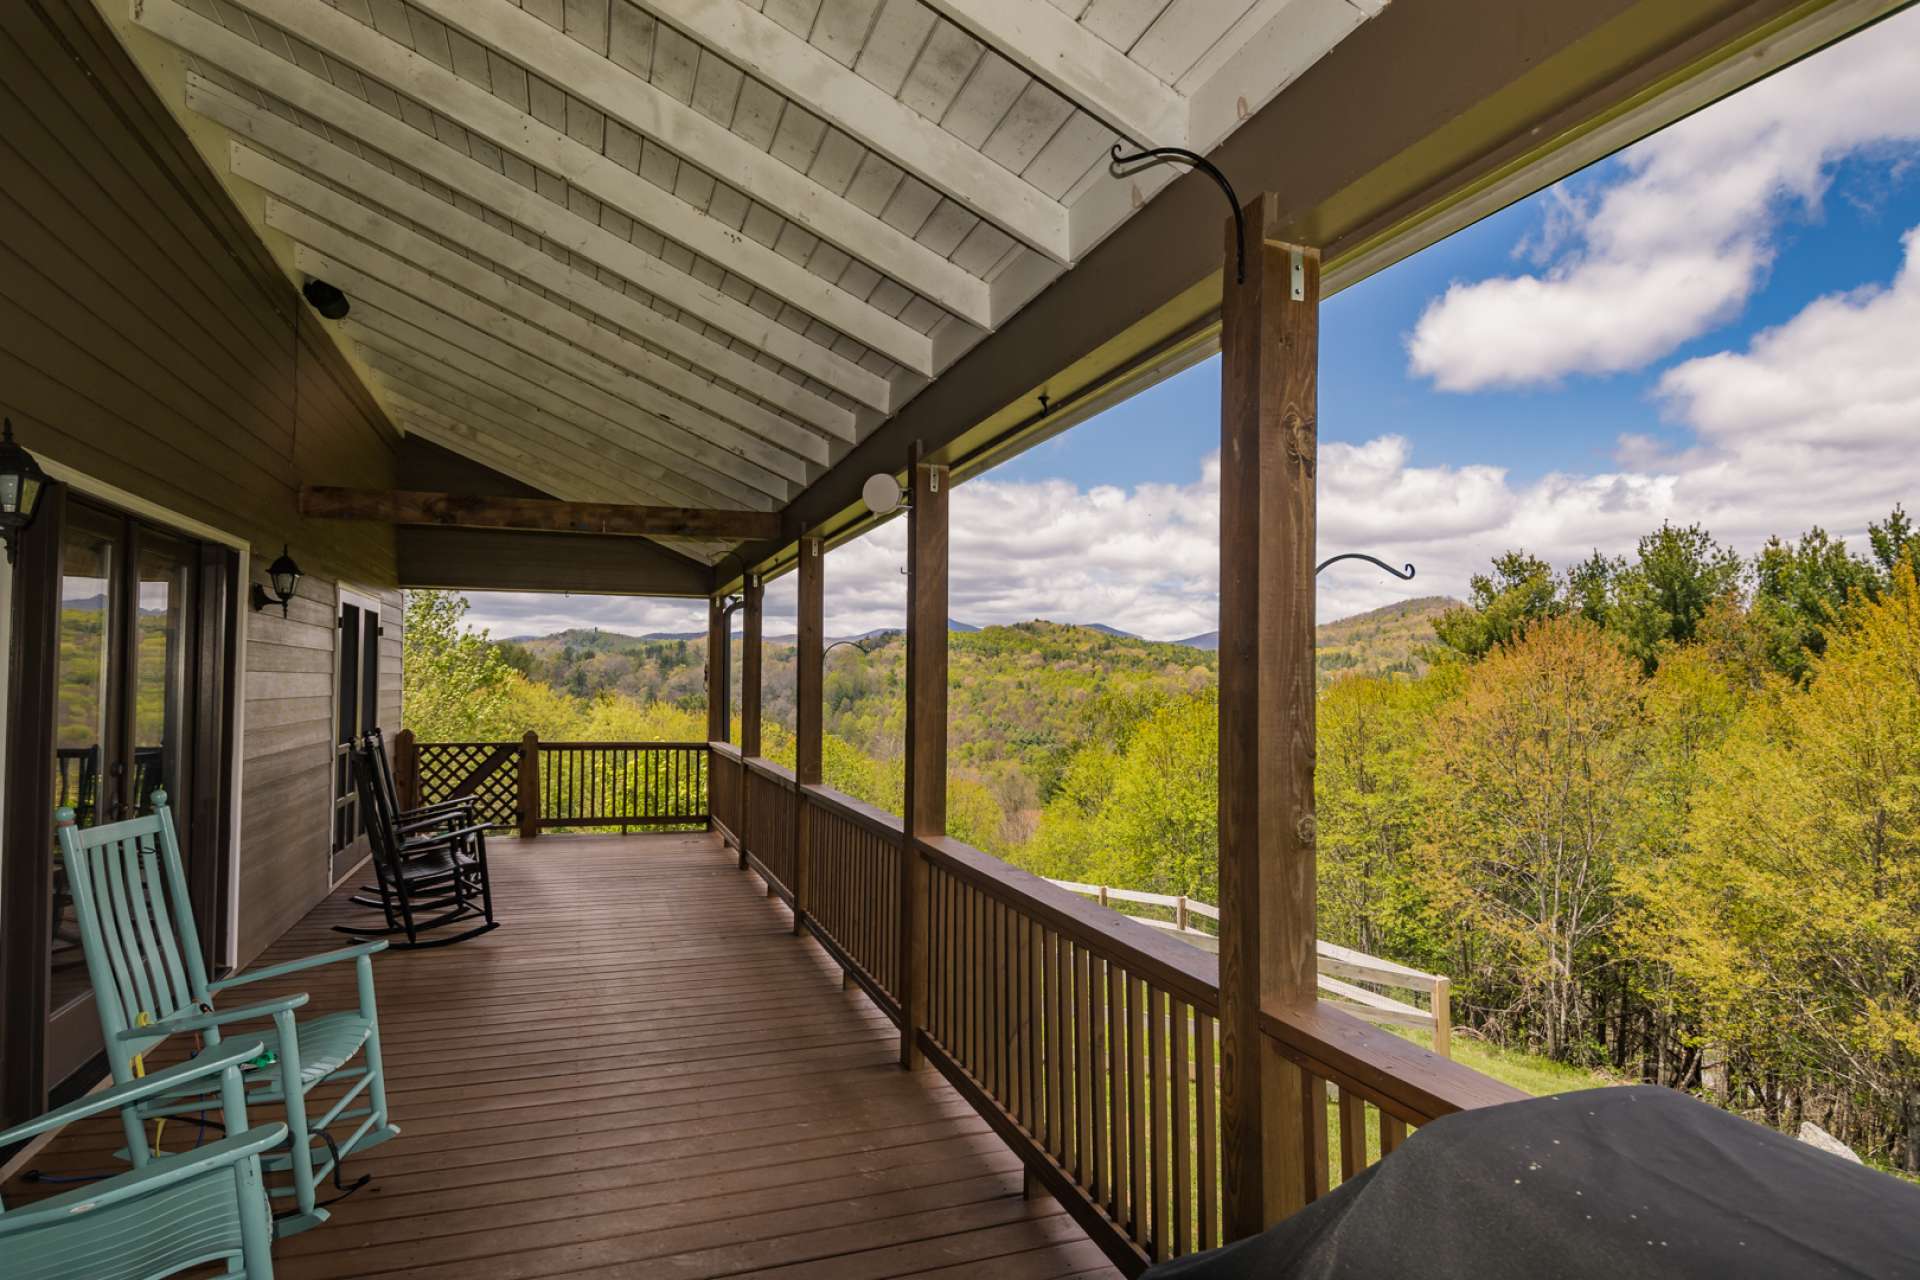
column 432, row 885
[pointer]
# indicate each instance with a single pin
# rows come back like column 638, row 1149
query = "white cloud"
column 1680, row 243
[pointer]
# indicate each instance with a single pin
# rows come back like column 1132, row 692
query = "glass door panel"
column 85, row 744
column 162, row 695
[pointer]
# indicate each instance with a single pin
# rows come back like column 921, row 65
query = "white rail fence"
column 1355, row 980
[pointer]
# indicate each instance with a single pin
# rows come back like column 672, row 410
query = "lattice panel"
column 487, row 771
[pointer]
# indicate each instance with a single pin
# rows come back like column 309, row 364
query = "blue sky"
column 1367, row 389
column 1718, row 325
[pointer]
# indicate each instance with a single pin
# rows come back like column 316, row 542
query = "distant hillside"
column 1380, row 641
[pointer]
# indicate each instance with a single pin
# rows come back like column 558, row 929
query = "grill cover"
column 1605, row 1183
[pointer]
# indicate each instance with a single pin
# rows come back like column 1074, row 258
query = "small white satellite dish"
column 881, row 493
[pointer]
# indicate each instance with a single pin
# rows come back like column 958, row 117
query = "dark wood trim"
column 475, row 511
column 719, row 728
column 1393, row 1073
column 926, row 736
column 752, row 661
column 26, row 870
column 1268, row 441
column 808, row 674
column 520, row 560
column 210, row 830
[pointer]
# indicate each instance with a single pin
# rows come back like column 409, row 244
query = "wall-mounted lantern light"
column 285, row 576
column 21, row 484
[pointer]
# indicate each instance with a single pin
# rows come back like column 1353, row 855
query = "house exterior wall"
column 148, row 348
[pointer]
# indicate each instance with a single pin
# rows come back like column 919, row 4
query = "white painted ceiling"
column 687, row 252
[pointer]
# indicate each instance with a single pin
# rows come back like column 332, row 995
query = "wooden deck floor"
column 642, row 1073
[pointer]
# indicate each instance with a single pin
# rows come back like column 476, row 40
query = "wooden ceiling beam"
column 606, row 86
column 471, row 511
column 500, row 195
column 502, row 125
column 807, row 75
column 1078, row 65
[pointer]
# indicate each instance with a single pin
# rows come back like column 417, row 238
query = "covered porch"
column 645, row 1073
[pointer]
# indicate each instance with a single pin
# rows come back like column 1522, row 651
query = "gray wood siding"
column 147, row 339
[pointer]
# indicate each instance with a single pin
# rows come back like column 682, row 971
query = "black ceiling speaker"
column 326, row 299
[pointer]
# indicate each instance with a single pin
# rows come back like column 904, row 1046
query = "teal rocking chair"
column 173, row 1213
column 143, row 957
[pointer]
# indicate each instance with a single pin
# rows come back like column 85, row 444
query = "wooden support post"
column 808, row 676
column 751, row 654
column 926, row 745
column 529, row 791
column 1443, row 1017
column 406, row 769
column 1268, row 442
column 718, row 662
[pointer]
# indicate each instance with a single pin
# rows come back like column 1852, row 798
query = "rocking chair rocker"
column 143, row 957
column 421, row 871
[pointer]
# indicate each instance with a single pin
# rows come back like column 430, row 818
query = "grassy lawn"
column 1535, row 1075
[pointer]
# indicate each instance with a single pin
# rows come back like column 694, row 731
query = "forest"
column 1657, row 814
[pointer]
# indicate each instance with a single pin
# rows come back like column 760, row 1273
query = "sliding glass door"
column 128, row 698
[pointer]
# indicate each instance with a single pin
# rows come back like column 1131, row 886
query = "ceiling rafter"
column 504, row 126
column 674, row 395
column 713, row 443
column 373, row 186
column 1055, row 49
column 500, row 195
column 807, row 75
column 651, row 112
column 625, row 427
column 512, row 387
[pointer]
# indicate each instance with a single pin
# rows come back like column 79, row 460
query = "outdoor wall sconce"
column 21, row 484
column 285, row 576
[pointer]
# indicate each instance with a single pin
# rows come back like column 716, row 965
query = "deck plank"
column 643, row 1073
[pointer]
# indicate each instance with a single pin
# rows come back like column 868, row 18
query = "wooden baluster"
column 1181, row 1081
column 1137, row 1108
column 1083, row 1074
column 1393, row 1132
column 1159, row 1086
column 1120, row 1205
column 1056, row 1126
column 1207, row 1087
column 1036, row 1022
column 1100, row 1182
column 1313, row 1123
column 1353, row 1133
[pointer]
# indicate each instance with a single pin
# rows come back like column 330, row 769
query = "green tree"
column 1793, row 914
column 1801, row 592
column 1660, row 600
column 1520, row 592
column 454, row 683
column 1531, row 791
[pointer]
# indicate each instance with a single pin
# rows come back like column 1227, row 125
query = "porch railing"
column 534, row 786
column 1089, row 1041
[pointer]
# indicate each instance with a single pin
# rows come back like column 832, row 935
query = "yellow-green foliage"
column 1791, row 916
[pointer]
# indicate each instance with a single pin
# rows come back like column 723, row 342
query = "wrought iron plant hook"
column 860, row 644
column 1406, row 576
column 1119, row 167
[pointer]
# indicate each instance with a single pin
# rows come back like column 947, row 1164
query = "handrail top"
column 1186, row 970
column 648, row 744
column 857, row 810
column 724, row 749
column 544, row 743
column 769, row 768
column 1419, row 1084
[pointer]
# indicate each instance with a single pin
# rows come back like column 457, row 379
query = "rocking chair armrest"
column 217, row 1018
column 295, row 966
column 228, row 1053
column 158, row 1174
column 439, row 806
column 426, row 822
column 433, row 838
